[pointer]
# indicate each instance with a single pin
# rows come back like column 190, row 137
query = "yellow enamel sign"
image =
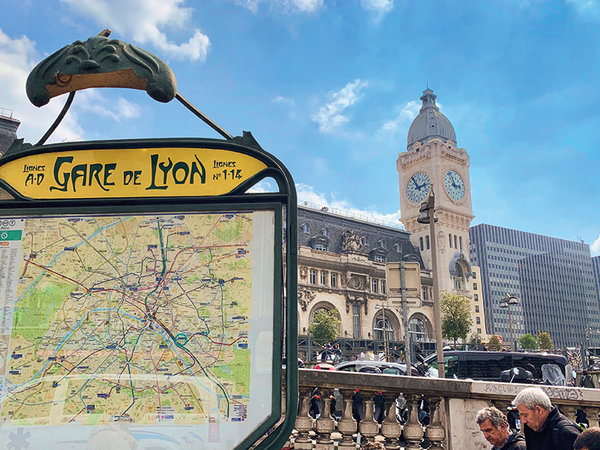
column 138, row 172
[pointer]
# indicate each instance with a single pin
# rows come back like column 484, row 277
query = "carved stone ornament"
column 305, row 297
column 100, row 62
column 351, row 243
column 356, row 300
column 303, row 271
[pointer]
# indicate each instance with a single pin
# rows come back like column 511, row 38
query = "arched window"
column 450, row 240
column 421, row 243
column 305, row 228
column 427, row 241
column 383, row 326
column 417, row 329
column 460, row 242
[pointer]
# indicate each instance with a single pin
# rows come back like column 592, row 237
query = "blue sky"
column 331, row 87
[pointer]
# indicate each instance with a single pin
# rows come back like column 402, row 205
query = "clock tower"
column 432, row 161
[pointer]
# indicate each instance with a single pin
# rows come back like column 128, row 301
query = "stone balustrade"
column 452, row 406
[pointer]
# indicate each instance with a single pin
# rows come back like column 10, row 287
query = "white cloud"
column 330, row 116
column 402, row 121
column 17, row 57
column 595, row 249
column 308, row 197
column 286, row 6
column 378, row 7
column 93, row 101
column 146, row 22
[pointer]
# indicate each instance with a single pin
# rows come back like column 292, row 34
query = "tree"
column 494, row 344
column 324, row 326
column 528, row 342
column 456, row 316
column 545, row 341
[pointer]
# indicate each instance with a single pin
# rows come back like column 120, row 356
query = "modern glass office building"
column 552, row 278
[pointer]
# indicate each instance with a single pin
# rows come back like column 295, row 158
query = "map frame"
column 282, row 203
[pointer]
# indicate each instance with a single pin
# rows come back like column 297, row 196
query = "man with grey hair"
column 494, row 426
column 544, row 427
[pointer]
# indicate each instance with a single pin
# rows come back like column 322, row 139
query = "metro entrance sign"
column 142, row 293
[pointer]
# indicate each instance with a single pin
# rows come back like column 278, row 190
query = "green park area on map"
column 142, row 319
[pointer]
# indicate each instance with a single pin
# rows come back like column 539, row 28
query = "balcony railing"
column 453, row 405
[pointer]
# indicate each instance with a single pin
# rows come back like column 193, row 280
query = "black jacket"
column 514, row 442
column 557, row 433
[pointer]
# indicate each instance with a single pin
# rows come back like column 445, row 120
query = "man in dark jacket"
column 544, row 427
column 494, row 426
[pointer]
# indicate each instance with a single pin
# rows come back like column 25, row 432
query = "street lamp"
column 395, row 275
column 505, row 303
column 426, row 215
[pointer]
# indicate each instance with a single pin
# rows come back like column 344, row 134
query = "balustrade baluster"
column 368, row 427
column 592, row 416
column 413, row 430
column 390, row 427
column 347, row 424
column 569, row 411
column 304, row 423
column 325, row 426
column 435, row 432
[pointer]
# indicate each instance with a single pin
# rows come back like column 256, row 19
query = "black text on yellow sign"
column 143, row 172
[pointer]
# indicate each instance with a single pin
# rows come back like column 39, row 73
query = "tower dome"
column 430, row 122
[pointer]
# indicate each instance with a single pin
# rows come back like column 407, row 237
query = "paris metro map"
column 132, row 318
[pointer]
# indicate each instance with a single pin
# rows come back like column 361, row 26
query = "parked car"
column 383, row 367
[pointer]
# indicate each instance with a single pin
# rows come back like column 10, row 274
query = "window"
column 474, row 275
column 374, row 285
column 313, row 276
column 379, row 258
column 381, row 244
column 474, row 286
column 478, row 320
column 478, row 330
column 476, row 297
column 305, row 228
column 322, row 247
column 424, row 292
column 356, row 321
column 333, row 279
column 427, row 241
column 383, row 286
column 455, row 242
column 325, row 232
column 383, row 326
column 421, row 243
column 460, row 242
column 476, row 308
column 450, row 240
column 324, row 278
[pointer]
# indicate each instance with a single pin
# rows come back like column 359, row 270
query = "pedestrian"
column 494, row 426
column 588, row 440
column 586, row 380
column 544, row 427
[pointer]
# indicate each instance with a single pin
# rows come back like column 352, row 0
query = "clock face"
column 454, row 184
column 418, row 187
